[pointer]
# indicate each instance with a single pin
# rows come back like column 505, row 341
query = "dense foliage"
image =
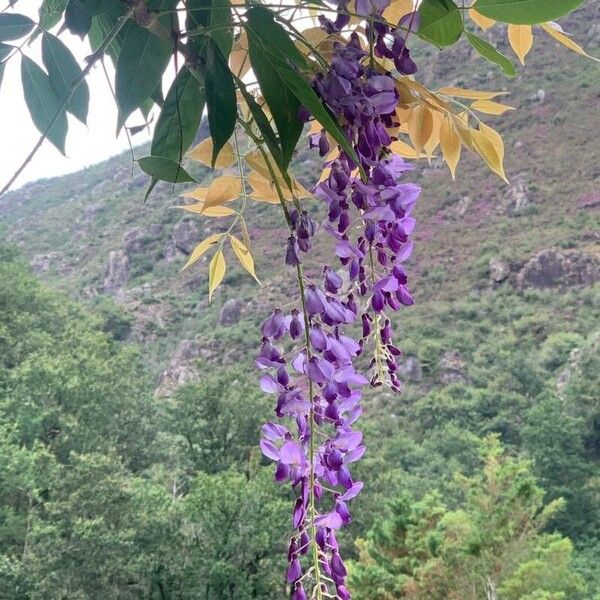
column 107, row 492
column 352, row 78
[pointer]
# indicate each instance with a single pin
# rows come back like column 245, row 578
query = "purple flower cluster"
column 318, row 388
column 307, row 355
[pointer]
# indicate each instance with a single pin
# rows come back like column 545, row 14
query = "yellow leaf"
column 490, row 147
column 198, row 193
column 451, row 145
column 203, row 153
column 324, row 174
column 219, row 211
column 490, row 107
column 257, row 162
column 245, row 232
column 263, row 188
column 457, row 92
column 404, row 150
column 239, row 61
column 313, row 36
column 397, row 9
column 434, row 140
column 216, row 272
column 483, row 22
column 214, row 211
column 263, row 185
column 420, row 126
column 461, row 125
column 426, row 94
column 521, row 40
column 244, row 256
column 561, row 38
column 223, row 189
column 201, row 248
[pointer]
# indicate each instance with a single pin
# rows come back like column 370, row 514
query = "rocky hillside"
column 535, row 241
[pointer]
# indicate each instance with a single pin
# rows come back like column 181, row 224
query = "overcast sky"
column 85, row 145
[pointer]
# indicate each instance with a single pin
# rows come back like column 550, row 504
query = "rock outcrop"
column 518, row 197
column 411, row 370
column 553, row 268
column 452, row 368
column 181, row 369
column 499, row 271
column 117, row 272
column 231, row 312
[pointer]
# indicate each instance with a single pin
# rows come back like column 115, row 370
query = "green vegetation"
column 108, row 491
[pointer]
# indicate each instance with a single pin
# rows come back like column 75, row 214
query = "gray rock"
column 463, row 205
column 117, row 272
column 156, row 229
column 540, row 96
column 411, row 369
column 499, row 270
column 559, row 269
column 231, row 312
column 185, row 236
column 91, row 211
column 181, row 369
column 43, row 262
column 452, row 368
column 132, row 240
column 517, row 198
column 138, row 181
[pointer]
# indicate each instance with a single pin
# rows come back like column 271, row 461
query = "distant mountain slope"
column 90, row 233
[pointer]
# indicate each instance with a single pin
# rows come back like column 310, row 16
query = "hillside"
column 504, row 339
column 91, row 235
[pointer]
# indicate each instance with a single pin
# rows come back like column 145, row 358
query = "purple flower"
column 291, row 254
column 370, row 223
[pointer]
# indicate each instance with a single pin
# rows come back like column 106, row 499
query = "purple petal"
column 269, row 385
column 291, row 454
column 269, row 450
column 353, row 491
column 331, row 520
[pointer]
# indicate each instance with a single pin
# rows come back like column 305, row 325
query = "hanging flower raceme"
column 308, row 355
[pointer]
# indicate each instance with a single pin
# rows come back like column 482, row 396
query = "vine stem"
column 312, row 425
column 91, row 61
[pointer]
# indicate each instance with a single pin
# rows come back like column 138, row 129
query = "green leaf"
column 78, row 18
column 164, row 169
column 220, row 17
column 5, row 50
column 440, row 22
column 140, row 66
column 220, row 97
column 102, row 25
column 180, row 117
column 198, row 16
column 265, row 56
column 63, row 71
column 146, row 106
column 525, row 12
column 261, row 22
column 43, row 104
column 490, row 53
column 281, row 100
column 14, row 26
column 262, row 122
column 50, row 13
column 2, row 65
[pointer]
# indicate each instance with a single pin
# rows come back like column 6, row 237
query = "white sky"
column 85, row 145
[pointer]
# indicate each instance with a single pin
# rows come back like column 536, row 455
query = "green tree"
column 491, row 547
